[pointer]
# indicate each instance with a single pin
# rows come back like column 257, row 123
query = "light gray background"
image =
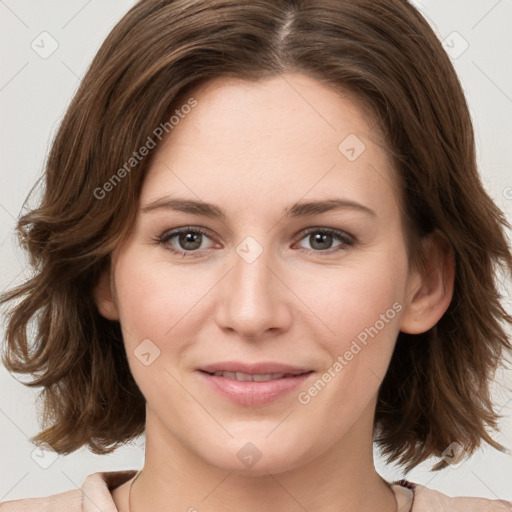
column 35, row 89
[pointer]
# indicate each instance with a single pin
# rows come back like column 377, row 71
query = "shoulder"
column 95, row 489
column 70, row 500
column 428, row 500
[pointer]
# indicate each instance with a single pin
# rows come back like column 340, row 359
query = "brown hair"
column 436, row 390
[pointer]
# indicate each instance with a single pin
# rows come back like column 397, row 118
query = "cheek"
column 363, row 309
column 155, row 298
column 361, row 304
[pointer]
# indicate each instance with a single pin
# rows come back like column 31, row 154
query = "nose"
column 253, row 301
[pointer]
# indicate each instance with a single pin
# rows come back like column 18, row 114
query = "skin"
column 255, row 149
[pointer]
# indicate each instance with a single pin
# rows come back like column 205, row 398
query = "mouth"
column 258, row 377
column 259, row 368
column 253, row 384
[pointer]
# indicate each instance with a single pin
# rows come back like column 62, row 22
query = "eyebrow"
column 305, row 209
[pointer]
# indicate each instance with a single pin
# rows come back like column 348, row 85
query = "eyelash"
column 345, row 239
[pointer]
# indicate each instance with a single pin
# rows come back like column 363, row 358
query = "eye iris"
column 190, row 241
column 320, row 241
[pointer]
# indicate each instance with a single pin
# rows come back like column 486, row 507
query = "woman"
column 264, row 242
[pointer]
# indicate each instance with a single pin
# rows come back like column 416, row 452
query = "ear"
column 104, row 296
column 430, row 287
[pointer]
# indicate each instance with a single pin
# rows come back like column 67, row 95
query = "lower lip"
column 254, row 393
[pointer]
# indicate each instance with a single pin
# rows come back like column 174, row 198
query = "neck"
column 174, row 477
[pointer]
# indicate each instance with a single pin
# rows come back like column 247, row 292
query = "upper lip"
column 260, row 368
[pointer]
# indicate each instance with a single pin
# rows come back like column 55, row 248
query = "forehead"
column 289, row 133
column 246, row 110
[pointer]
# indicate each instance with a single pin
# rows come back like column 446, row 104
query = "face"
column 262, row 288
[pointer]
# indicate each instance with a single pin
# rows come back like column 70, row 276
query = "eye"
column 191, row 241
column 322, row 239
column 185, row 241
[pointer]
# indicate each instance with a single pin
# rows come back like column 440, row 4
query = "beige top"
column 95, row 495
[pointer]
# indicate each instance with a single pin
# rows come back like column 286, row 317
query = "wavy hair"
column 436, row 390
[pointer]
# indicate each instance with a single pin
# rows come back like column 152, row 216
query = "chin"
column 260, row 456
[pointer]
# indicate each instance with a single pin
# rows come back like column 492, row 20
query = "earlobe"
column 430, row 289
column 104, row 297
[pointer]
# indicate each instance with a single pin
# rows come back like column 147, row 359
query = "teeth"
column 267, row 376
column 245, row 377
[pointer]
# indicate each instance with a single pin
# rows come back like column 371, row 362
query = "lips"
column 252, row 384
